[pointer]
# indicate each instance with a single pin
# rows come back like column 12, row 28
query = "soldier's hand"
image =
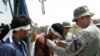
column 62, row 44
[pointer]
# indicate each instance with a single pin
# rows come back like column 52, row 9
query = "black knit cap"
column 58, row 28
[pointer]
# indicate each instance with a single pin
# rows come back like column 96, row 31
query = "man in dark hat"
column 86, row 42
column 13, row 41
column 54, row 32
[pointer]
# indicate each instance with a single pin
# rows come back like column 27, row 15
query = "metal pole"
column 42, row 6
column 10, row 7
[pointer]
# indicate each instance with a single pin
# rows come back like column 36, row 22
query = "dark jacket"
column 15, row 48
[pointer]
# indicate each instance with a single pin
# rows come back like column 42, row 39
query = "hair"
column 58, row 27
column 17, row 21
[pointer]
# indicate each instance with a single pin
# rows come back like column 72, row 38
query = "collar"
column 16, row 41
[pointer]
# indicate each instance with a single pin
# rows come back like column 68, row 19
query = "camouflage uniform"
column 86, row 43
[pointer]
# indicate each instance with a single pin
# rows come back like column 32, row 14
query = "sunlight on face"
column 83, row 22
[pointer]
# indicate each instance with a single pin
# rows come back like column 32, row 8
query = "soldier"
column 87, row 42
column 68, row 35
